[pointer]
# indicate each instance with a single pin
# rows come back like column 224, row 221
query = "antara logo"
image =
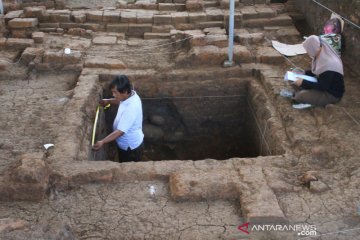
column 244, row 228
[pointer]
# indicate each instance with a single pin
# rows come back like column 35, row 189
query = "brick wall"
column 350, row 9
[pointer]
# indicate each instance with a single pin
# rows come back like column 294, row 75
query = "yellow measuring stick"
column 95, row 123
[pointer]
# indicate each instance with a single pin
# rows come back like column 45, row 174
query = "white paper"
column 291, row 76
column 287, row 49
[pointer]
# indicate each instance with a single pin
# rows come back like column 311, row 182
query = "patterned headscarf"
column 334, row 40
column 332, row 33
column 327, row 60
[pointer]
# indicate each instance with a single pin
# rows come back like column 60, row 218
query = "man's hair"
column 122, row 84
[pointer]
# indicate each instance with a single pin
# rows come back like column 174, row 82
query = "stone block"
column 2, row 42
column 106, row 40
column 49, row 25
column 120, row 36
column 185, row 26
column 166, row 7
column 73, row 58
column 78, row 16
column 20, row 33
column 143, row 4
column 180, row 17
column 225, row 4
column 95, row 16
column 247, row 2
column 265, row 12
column 281, row 20
column 180, row 7
column 257, row 23
column 102, row 62
column 59, row 12
column 38, row 37
column 204, row 185
column 30, row 169
column 269, row 55
column 30, row 53
column 47, row 30
column 144, row 17
column 162, row 28
column 69, row 25
column 214, row 14
column 120, row 27
column 18, row 43
column 23, row 22
column 162, row 19
column 216, row 40
column 237, row 19
column 197, row 17
column 57, row 18
column 9, row 225
column 288, row 31
column 13, row 14
column 258, row 200
column 34, row 12
column 249, row 38
column 155, row 35
column 194, row 5
column 128, row 17
column 93, row 26
column 203, row 25
column 241, row 54
column 111, row 16
column 210, row 55
column 139, row 29
column 249, row 12
column 214, row 31
column 78, row 32
column 52, row 57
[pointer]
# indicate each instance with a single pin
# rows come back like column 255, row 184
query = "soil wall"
column 316, row 16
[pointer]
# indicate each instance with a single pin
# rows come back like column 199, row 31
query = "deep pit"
column 195, row 125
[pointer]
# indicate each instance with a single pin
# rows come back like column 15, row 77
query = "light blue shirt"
column 129, row 120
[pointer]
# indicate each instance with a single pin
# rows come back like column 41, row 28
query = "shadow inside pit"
column 190, row 128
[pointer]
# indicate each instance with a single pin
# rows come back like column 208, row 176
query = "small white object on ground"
column 48, row 145
column 67, row 51
column 301, row 105
column 152, row 189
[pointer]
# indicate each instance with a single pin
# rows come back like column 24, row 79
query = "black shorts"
column 133, row 155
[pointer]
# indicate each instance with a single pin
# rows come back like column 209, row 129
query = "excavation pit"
column 217, row 122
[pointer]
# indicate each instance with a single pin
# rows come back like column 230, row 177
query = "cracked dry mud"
column 129, row 211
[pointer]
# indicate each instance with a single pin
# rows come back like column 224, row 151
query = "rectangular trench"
column 195, row 120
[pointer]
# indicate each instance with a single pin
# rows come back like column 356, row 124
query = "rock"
column 9, row 224
column 194, row 5
column 174, row 137
column 152, row 133
column 319, row 187
column 308, row 177
column 157, row 120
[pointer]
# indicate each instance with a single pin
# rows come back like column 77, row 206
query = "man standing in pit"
column 127, row 126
